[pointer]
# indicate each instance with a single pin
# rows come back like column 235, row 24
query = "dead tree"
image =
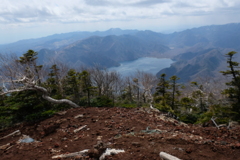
column 146, row 83
column 23, row 74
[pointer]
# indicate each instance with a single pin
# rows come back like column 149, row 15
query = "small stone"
column 79, row 157
column 56, row 145
column 99, row 138
column 64, row 139
column 188, row 150
column 223, row 142
column 136, row 144
column 94, row 153
column 237, row 145
column 61, row 113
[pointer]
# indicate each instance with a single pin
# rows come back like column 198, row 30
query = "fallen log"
column 5, row 147
column 213, row 120
column 71, row 154
column 15, row 133
column 109, row 152
column 79, row 129
column 79, row 116
column 166, row 156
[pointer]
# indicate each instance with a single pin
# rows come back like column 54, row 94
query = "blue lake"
column 146, row 64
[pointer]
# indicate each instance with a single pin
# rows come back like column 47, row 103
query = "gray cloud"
column 147, row 3
column 106, row 10
column 114, row 13
column 98, row 2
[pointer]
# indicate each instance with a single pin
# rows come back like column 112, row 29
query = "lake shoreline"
column 147, row 64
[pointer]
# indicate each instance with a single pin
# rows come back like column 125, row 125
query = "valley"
column 196, row 52
column 102, row 92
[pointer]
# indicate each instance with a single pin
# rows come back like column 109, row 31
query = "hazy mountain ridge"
column 57, row 41
column 191, row 66
column 106, row 51
column 197, row 51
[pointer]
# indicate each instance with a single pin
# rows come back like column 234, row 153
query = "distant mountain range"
column 197, row 52
column 56, row 41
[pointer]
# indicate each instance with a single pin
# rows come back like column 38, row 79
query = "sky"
column 25, row 19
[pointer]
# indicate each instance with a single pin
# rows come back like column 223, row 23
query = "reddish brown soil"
column 121, row 128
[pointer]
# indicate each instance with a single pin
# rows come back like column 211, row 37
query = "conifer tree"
column 162, row 86
column 23, row 75
column 175, row 91
column 72, row 85
column 86, row 84
column 53, row 82
column 233, row 92
column 28, row 60
column 161, row 95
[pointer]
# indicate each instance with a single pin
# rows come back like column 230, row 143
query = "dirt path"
column 141, row 133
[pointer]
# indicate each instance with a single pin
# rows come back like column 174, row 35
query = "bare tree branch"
column 18, row 77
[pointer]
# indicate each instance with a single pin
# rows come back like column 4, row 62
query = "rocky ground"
column 140, row 132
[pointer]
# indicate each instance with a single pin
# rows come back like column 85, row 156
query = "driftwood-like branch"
column 109, row 152
column 60, row 101
column 15, row 133
column 5, row 147
column 13, row 91
column 166, row 156
column 213, row 120
column 79, row 129
column 71, row 154
column 32, row 86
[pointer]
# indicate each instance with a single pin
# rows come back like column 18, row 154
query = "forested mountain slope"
column 110, row 47
column 106, row 51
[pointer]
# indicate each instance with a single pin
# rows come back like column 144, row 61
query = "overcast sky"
column 22, row 19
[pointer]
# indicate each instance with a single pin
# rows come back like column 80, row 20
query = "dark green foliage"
column 162, row 94
column 25, row 106
column 186, row 103
column 223, row 114
column 162, row 86
column 189, row 118
column 53, row 83
column 199, row 95
column 175, row 91
column 78, row 86
column 102, row 101
column 167, row 92
column 28, row 60
column 162, row 106
column 127, row 105
column 233, row 92
column 86, row 86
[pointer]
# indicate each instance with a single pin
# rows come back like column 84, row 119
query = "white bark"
column 166, row 156
column 15, row 133
column 109, row 152
column 79, row 129
column 32, row 86
column 15, row 78
column 71, row 154
column 5, row 147
column 60, row 101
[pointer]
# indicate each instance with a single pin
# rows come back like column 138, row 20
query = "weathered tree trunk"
column 166, row 156
column 45, row 96
column 60, row 101
column 70, row 154
column 15, row 133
